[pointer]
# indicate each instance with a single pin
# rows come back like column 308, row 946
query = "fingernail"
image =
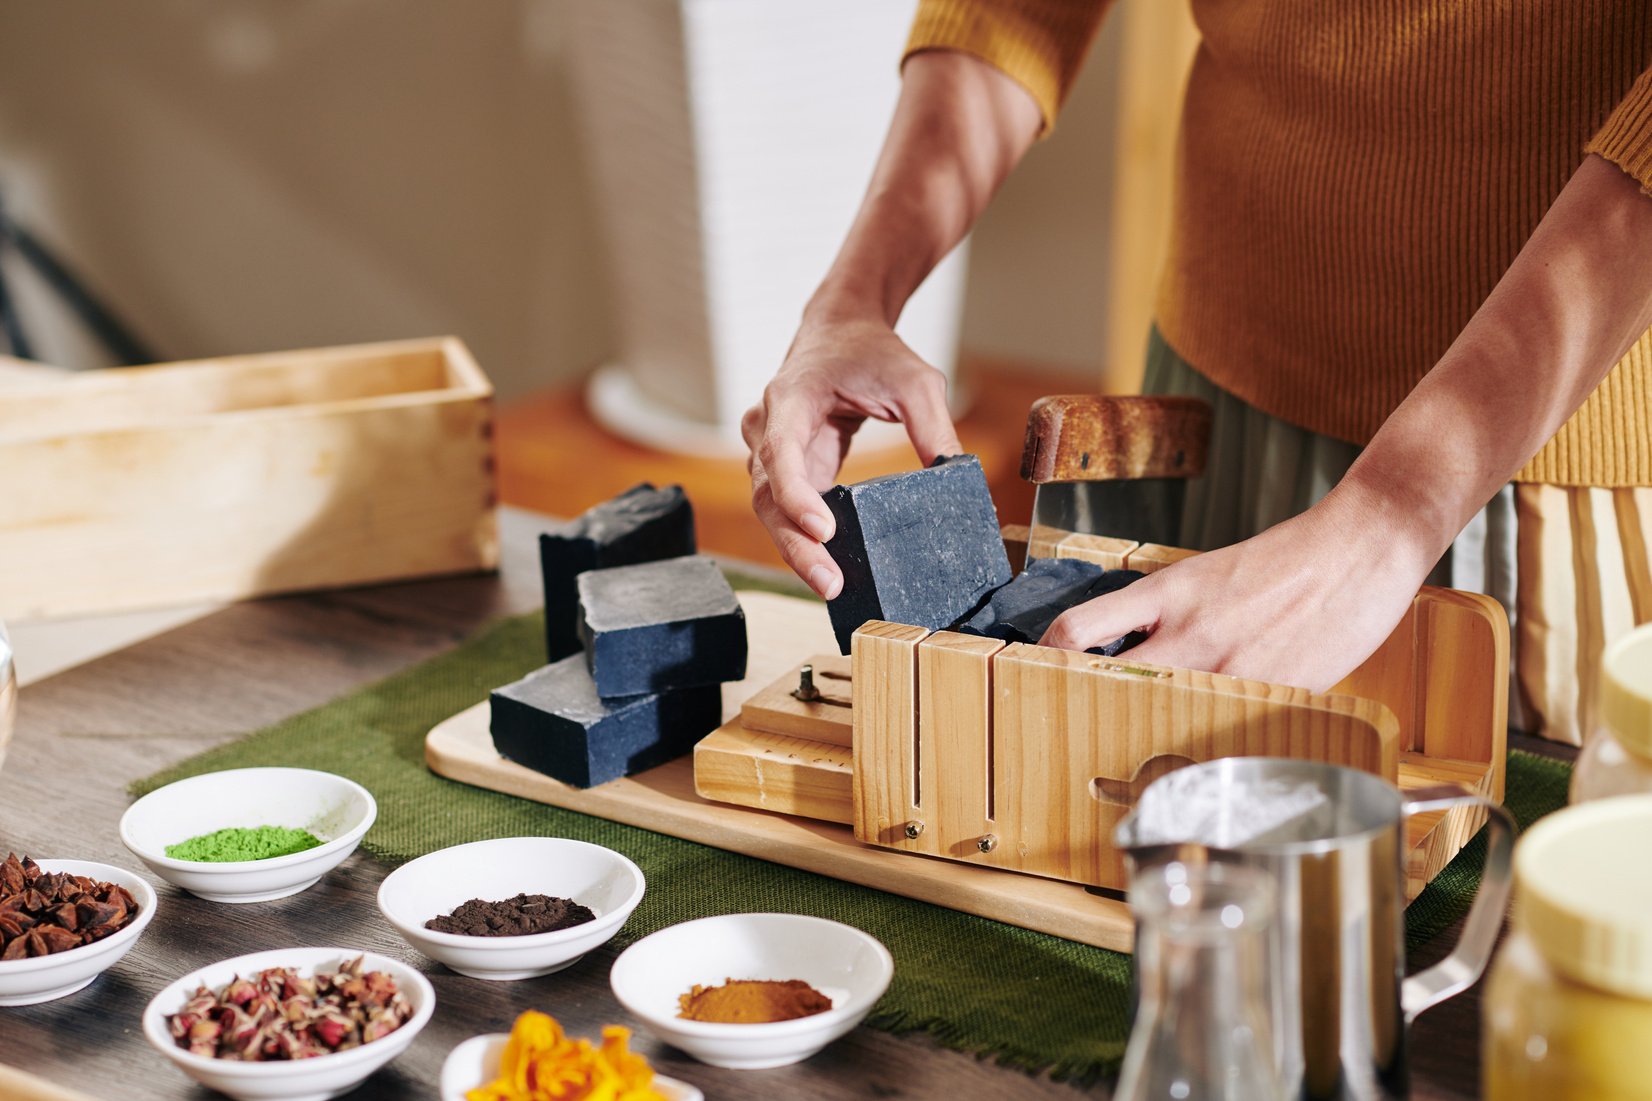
column 818, row 526
column 824, row 582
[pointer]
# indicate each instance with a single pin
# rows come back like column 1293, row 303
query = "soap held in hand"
column 920, row 547
column 1025, row 608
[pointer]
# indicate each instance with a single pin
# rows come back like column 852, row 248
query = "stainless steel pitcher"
column 1333, row 840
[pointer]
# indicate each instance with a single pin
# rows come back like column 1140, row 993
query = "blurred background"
column 644, row 189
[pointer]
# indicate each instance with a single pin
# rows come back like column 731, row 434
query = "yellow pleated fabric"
column 1352, row 179
column 1583, row 582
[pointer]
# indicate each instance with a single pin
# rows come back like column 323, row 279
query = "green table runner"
column 1031, row 1000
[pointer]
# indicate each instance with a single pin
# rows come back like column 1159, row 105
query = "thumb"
column 1105, row 618
column 928, row 422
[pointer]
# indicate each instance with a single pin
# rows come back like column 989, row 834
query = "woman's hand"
column 959, row 128
column 1303, row 603
column 836, row 375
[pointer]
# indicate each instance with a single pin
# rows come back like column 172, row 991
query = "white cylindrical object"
column 731, row 142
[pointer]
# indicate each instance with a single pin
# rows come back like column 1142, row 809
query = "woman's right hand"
column 837, row 373
column 958, row 129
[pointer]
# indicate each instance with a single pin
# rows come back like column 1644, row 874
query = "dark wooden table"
column 84, row 734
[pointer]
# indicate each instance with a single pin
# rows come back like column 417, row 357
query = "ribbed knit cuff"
column 1626, row 139
column 1040, row 44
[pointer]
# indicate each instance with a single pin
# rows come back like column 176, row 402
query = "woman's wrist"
column 841, row 301
column 1386, row 523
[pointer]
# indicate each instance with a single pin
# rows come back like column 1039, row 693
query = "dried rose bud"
column 332, row 1029
column 239, row 992
column 378, row 1028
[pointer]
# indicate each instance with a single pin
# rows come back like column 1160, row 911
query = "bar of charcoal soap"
column 553, row 721
column 1024, row 609
column 643, row 524
column 919, row 547
column 661, row 625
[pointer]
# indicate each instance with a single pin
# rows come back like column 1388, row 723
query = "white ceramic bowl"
column 337, row 810
column 302, row 1079
column 476, row 1063
column 25, row 982
column 848, row 966
column 493, row 870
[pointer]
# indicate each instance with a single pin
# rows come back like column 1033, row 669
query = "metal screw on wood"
column 914, row 830
column 806, row 690
column 987, row 842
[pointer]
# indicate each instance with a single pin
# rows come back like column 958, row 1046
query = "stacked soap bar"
column 553, row 721
column 660, row 626
column 1023, row 610
column 919, row 547
column 643, row 524
column 652, row 632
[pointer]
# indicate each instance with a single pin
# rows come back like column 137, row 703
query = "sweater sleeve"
column 1040, row 44
column 1626, row 139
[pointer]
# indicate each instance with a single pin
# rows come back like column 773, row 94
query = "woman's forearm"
column 959, row 127
column 1577, row 296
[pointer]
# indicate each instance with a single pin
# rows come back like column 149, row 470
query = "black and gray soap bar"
column 553, row 722
column 643, row 524
column 919, row 547
column 1024, row 609
column 660, row 625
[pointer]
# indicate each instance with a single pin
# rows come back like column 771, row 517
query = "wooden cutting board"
column 784, row 631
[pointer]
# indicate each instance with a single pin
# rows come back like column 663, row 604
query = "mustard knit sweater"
column 1354, row 176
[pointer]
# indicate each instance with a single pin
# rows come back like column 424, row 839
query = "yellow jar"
column 1617, row 756
column 1568, row 1007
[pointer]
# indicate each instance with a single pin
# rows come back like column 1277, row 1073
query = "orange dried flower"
column 541, row 1063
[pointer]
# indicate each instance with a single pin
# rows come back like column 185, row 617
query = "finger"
column 1100, row 621
column 928, row 422
column 780, row 454
column 800, row 551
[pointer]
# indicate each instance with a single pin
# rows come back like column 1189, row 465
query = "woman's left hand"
column 1303, row 603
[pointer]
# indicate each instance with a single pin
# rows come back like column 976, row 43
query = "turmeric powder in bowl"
column 752, row 1001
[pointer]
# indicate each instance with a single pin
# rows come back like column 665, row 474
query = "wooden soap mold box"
column 971, row 750
column 227, row 478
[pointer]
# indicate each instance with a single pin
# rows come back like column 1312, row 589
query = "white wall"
column 242, row 175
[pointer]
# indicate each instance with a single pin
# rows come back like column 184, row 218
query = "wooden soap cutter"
column 1024, row 758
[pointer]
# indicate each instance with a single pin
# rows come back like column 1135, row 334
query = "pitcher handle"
column 1459, row 971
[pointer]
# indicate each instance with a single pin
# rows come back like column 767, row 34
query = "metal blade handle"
column 1468, row 959
column 1090, row 438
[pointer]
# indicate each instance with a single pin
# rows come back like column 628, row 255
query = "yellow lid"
column 1583, row 892
column 1626, row 689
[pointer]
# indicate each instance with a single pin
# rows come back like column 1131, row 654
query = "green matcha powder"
column 239, row 843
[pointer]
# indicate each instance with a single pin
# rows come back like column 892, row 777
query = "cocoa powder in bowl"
column 512, row 917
